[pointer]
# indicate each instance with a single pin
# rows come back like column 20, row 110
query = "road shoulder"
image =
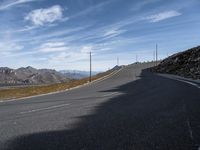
column 190, row 81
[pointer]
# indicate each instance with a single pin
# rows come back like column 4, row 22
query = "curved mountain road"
column 133, row 109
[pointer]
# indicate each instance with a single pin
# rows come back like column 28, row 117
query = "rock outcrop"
column 186, row 64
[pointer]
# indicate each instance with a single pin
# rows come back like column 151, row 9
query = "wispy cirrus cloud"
column 92, row 9
column 113, row 32
column 7, row 47
column 91, row 27
column 6, row 4
column 53, row 47
column 40, row 17
column 86, row 49
column 163, row 16
column 79, row 53
column 138, row 6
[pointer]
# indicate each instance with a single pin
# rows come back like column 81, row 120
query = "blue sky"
column 59, row 34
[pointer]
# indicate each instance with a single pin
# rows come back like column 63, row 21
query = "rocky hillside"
column 186, row 64
column 30, row 75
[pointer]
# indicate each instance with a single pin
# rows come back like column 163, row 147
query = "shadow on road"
column 148, row 115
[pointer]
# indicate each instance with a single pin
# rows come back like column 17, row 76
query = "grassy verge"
column 14, row 93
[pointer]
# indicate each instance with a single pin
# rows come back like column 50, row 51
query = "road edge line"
column 180, row 79
column 57, row 92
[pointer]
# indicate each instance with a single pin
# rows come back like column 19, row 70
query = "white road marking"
column 188, row 82
column 7, row 101
column 58, row 106
column 41, row 109
column 97, row 97
column 188, row 122
column 189, row 126
column 107, row 76
column 110, row 94
column 181, row 80
column 76, row 87
column 190, row 129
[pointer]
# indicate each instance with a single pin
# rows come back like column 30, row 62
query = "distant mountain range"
column 77, row 74
column 30, row 75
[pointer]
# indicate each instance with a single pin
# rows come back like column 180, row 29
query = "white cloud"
column 26, row 28
column 53, row 47
column 7, row 47
column 41, row 17
column 59, row 57
column 163, row 15
column 67, row 57
column 92, row 8
column 86, row 49
column 55, row 44
column 77, row 53
column 11, row 3
column 138, row 6
column 113, row 32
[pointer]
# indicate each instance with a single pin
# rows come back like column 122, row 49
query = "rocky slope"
column 186, row 64
column 30, row 76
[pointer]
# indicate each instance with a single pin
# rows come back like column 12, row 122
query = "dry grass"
column 20, row 92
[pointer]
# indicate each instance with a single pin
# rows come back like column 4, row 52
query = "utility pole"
column 136, row 58
column 136, row 61
column 90, row 66
column 154, row 58
column 156, row 54
column 117, row 61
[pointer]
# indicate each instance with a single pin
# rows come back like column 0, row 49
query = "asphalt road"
column 132, row 110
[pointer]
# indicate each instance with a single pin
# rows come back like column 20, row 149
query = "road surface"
column 132, row 110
